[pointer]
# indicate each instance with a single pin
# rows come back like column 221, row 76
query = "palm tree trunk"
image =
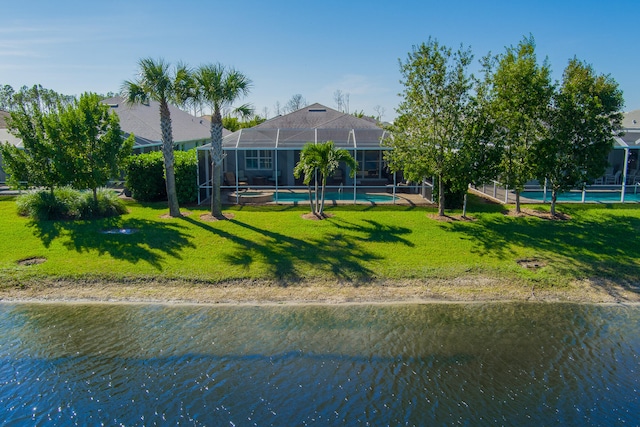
column 216, row 202
column 216, row 163
column 167, row 152
column 317, row 198
column 324, row 184
column 311, row 202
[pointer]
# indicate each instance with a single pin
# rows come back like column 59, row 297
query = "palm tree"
column 156, row 81
column 219, row 87
column 323, row 159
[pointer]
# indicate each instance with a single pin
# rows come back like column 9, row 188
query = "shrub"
column 186, row 168
column 108, row 204
column 145, row 176
column 67, row 203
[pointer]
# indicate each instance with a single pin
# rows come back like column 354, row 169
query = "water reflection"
column 506, row 364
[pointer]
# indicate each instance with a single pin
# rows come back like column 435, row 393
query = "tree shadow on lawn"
column 375, row 231
column 598, row 248
column 150, row 241
column 336, row 254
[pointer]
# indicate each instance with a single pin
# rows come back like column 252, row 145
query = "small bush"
column 67, row 203
column 108, row 204
column 145, row 176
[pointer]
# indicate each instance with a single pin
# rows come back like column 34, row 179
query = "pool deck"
column 500, row 196
column 402, row 199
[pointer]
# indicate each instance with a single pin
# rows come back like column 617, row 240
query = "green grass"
column 358, row 243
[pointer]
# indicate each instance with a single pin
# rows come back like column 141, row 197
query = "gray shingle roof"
column 143, row 120
column 312, row 123
column 3, row 119
column 631, row 120
column 317, row 116
column 6, row 136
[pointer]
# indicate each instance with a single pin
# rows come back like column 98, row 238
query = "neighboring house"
column 624, row 165
column 265, row 155
column 143, row 121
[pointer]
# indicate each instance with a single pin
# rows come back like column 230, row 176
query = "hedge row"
column 144, row 176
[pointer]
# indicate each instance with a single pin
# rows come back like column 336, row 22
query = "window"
column 370, row 164
column 259, row 159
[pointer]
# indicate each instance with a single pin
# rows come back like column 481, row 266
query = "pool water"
column 590, row 196
column 290, row 197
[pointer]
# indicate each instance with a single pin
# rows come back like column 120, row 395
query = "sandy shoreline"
column 462, row 290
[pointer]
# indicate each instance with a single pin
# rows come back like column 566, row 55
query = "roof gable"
column 143, row 121
column 314, row 123
column 317, row 116
column 631, row 120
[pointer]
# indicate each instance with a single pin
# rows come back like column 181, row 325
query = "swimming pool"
column 347, row 196
column 590, row 196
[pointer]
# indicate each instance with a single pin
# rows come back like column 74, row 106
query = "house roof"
column 3, row 119
column 629, row 139
column 143, row 121
column 631, row 120
column 317, row 116
column 6, row 136
column 314, row 123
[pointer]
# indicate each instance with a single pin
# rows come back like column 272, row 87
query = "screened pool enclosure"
column 620, row 182
column 264, row 158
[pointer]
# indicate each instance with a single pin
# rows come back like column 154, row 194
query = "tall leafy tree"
column 320, row 161
column 219, row 87
column 158, row 81
column 44, row 159
column 76, row 143
column 477, row 160
column 6, row 97
column 93, row 140
column 520, row 100
column 429, row 130
column 585, row 115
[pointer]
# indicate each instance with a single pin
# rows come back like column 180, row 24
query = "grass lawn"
column 358, row 244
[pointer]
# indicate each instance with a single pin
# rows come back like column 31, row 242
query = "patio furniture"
column 230, row 179
column 275, row 178
column 632, row 176
column 259, row 180
column 612, row 179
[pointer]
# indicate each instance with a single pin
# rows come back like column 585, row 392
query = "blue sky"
column 308, row 47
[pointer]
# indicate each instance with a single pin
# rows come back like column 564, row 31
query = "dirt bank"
column 471, row 289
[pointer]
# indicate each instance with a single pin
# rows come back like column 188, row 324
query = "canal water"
column 432, row 364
